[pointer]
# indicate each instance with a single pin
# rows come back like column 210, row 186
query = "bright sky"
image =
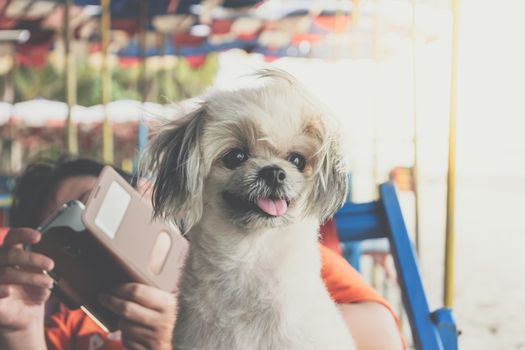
column 491, row 111
column 375, row 100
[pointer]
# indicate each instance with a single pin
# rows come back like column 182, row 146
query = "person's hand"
column 147, row 315
column 24, row 287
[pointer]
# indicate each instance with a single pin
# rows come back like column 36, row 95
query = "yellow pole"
column 162, row 72
column 142, row 128
column 71, row 83
column 9, row 96
column 354, row 16
column 143, row 21
column 338, row 18
column 451, row 179
column 377, row 33
column 415, row 169
column 107, row 132
column 376, row 54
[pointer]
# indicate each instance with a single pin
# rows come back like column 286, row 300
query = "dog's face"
column 256, row 158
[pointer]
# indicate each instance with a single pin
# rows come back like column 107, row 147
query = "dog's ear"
column 174, row 158
column 330, row 181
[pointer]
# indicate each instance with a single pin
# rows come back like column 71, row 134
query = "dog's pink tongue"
column 272, row 207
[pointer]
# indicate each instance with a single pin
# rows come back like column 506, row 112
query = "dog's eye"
column 234, row 158
column 297, row 160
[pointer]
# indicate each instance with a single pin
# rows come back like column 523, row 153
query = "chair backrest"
column 383, row 218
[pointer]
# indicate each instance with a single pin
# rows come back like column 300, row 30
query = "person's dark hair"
column 37, row 184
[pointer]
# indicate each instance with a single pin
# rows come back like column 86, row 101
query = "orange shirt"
column 74, row 330
column 345, row 284
column 3, row 233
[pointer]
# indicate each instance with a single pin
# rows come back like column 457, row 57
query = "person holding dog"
column 147, row 314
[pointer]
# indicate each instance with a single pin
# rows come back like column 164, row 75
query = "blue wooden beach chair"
column 383, row 219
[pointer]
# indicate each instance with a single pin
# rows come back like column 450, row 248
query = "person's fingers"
column 144, row 322
column 37, row 295
column 137, row 334
column 130, row 311
column 22, row 258
column 5, row 290
column 147, row 296
column 132, row 330
column 134, row 345
column 21, row 235
column 10, row 275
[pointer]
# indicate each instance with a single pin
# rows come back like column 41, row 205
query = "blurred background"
column 91, row 77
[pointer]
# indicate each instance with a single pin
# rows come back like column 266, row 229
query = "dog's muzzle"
column 267, row 196
column 273, row 176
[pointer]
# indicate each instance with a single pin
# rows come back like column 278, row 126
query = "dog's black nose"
column 272, row 175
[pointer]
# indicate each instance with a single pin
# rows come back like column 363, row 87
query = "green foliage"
column 181, row 82
column 31, row 83
column 175, row 84
column 166, row 85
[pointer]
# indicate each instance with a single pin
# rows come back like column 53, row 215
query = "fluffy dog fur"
column 252, row 276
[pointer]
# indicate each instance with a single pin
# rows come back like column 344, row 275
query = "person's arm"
column 32, row 337
column 369, row 319
column 24, row 288
column 372, row 326
column 147, row 315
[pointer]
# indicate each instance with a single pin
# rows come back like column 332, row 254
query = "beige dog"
column 251, row 174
